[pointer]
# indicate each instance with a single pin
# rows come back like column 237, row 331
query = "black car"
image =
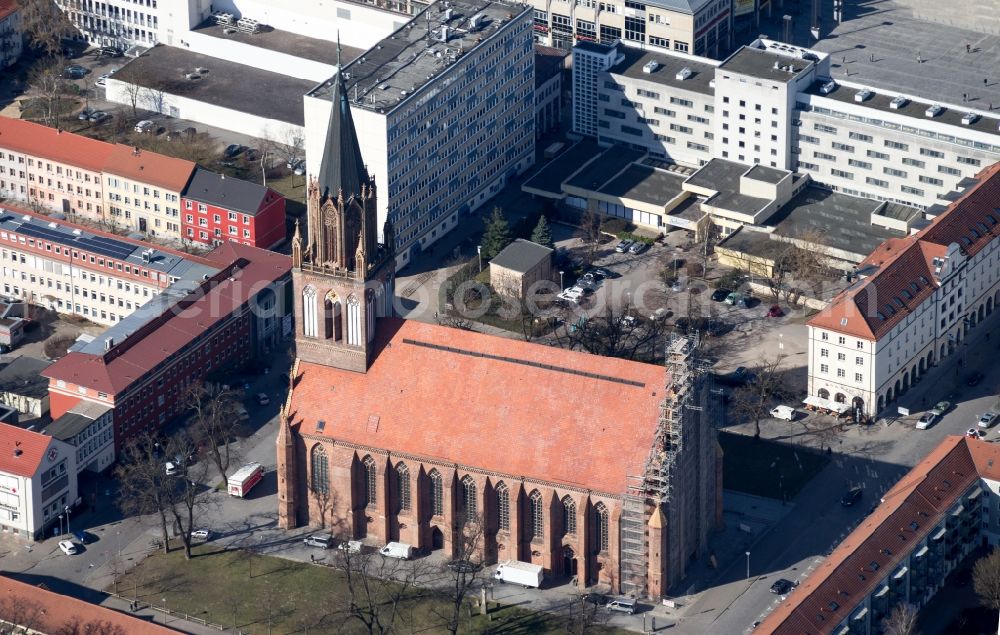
column 782, row 586
column 742, row 376
column 233, row 150
column 463, row 566
column 852, row 496
column 597, row 599
column 973, row 379
column 252, row 154
column 720, row 294
column 74, row 72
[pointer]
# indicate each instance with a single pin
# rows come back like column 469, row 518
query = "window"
column 911, row 190
column 569, row 516
column 931, row 180
column 536, row 520
column 944, row 169
column 843, row 147
column 403, row 486
column 437, row 493
column 823, row 368
column 319, row 466
column 680, row 46
column 968, row 161
column 824, row 352
column 681, row 102
column 840, row 372
column 824, row 336
column 841, row 357
column 860, row 345
column 842, row 174
column 858, row 377
column 860, row 361
column 470, row 505
column 601, row 528
column 875, row 154
column 659, row 41
column 876, row 182
column 859, row 164
column 894, row 172
column 917, row 163
column 309, row 321
column 857, row 136
column 896, row 145
column 824, row 128
column 371, row 482
column 804, row 138
column 842, row 340
column 503, row 507
column 931, row 153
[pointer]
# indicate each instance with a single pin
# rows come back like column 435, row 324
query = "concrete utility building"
column 445, row 110
column 23, row 388
column 384, row 436
column 903, row 551
column 915, row 301
column 521, row 266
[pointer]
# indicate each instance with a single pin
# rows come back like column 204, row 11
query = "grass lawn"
column 216, row 585
column 767, row 468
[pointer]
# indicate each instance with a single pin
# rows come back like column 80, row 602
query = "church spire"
column 342, row 168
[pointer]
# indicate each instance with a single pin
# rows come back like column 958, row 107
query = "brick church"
column 397, row 430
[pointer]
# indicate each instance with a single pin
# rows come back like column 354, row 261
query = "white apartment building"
column 701, row 27
column 775, row 105
column 11, row 35
column 915, row 302
column 73, row 270
column 116, row 23
column 444, row 110
column 88, row 427
column 37, row 482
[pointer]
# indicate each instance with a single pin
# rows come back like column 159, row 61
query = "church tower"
column 342, row 275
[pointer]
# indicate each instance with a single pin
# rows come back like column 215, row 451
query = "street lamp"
column 781, row 342
column 561, row 287
column 60, row 524
column 66, row 509
column 119, row 534
column 479, row 252
column 748, row 568
column 263, row 175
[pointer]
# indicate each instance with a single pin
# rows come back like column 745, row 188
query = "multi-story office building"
column 140, row 366
column 926, row 524
column 79, row 271
column 916, row 300
column 445, row 112
column 50, row 168
column 217, row 209
column 11, row 34
column 116, row 23
column 702, row 27
column 776, row 105
column 37, row 481
column 142, row 190
column 89, row 428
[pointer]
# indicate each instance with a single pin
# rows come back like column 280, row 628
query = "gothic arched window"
column 354, row 320
column 470, row 505
column 601, row 513
column 569, row 515
column 403, row 486
column 319, row 468
column 536, row 515
column 437, row 493
column 371, row 482
column 333, row 325
column 503, row 507
column 309, row 326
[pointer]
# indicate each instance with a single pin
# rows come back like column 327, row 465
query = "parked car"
column 300, row 169
column 926, row 420
column 601, row 274
column 68, row 547
column 100, row 117
column 637, row 248
column 573, row 295
column 783, row 412
column 852, row 496
column 941, row 407
column 85, row 114
column 233, row 150
column 322, row 541
column 720, row 295
column 775, row 311
column 144, row 126
column 252, row 154
column 109, row 51
column 263, row 399
column 972, row 433
column 974, row 379
column 103, row 80
column 74, row 71
column 293, row 162
column 623, row 246
column 987, row 419
column 83, row 537
column 622, row 605
column 189, row 132
column 782, row 586
column 677, row 286
column 201, row 534
column 734, row 298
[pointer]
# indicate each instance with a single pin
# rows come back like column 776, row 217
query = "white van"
column 399, row 550
column 783, row 412
column 622, row 605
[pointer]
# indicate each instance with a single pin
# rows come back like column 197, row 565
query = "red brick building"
column 398, row 430
column 141, row 365
column 216, row 208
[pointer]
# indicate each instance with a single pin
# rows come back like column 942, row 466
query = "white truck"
column 399, row 550
column 783, row 412
column 516, row 572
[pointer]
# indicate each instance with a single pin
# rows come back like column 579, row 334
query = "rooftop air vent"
column 863, row 95
column 109, row 343
column 898, row 102
column 970, row 118
column 650, row 66
column 683, row 74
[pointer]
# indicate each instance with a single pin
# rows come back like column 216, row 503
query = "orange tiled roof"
column 7, row 7
column 909, row 511
column 21, row 451
column 904, row 277
column 56, row 145
column 491, row 403
column 60, row 611
column 149, row 167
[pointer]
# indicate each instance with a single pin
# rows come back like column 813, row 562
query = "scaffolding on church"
column 655, row 486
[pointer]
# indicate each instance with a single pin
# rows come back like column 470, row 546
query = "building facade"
column 11, row 34
column 88, row 427
column 395, row 453
column 218, row 209
column 902, row 553
column 915, row 302
column 473, row 97
column 120, row 24
column 143, row 191
column 37, row 482
column 550, row 65
column 701, row 27
column 141, row 366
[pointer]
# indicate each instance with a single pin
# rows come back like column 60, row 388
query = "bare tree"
column 154, row 97
column 214, row 422
column 616, row 333
column 752, row 400
column 465, row 572
column 986, row 580
column 187, row 499
column 286, row 142
column 133, row 80
column 47, row 79
column 591, row 230
column 19, row 614
column 45, row 25
column 57, row 345
column 584, row 616
column 77, row 626
column 376, row 587
column 902, row 620
column 145, row 487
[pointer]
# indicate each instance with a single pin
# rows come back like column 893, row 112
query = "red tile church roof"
column 491, row 403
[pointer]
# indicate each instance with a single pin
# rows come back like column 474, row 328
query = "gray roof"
column 386, row 75
column 23, row 377
column 226, row 84
column 766, row 174
column 342, row 168
column 115, row 247
column 759, row 63
column 551, row 177
column 521, row 255
column 227, row 192
column 835, row 220
column 644, row 183
column 600, row 170
column 720, row 175
column 666, row 74
column 682, row 6
column 272, row 39
column 594, row 47
column 76, row 420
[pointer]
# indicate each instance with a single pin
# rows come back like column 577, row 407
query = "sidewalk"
column 178, row 622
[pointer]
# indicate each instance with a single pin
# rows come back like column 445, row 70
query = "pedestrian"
column 843, row 60
column 965, row 97
column 986, row 82
column 312, row 558
column 872, row 58
column 968, row 48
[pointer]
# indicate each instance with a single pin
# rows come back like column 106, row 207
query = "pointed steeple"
column 297, row 246
column 342, row 168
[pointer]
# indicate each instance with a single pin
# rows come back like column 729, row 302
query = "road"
column 817, row 522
